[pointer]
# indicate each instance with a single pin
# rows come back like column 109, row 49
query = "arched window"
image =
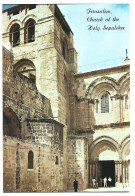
column 15, row 35
column 105, row 103
column 56, row 160
column 29, row 35
column 30, row 160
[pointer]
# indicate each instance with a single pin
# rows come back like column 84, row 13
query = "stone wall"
column 77, row 161
column 88, row 88
column 47, row 174
column 7, row 71
column 21, row 89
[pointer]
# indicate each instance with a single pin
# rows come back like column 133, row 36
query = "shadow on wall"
column 11, row 124
column 84, row 107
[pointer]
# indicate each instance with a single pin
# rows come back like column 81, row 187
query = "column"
column 116, row 171
column 90, row 166
column 129, row 172
column 96, row 171
column 123, row 169
column 22, row 35
column 126, row 172
column 93, row 169
column 119, row 172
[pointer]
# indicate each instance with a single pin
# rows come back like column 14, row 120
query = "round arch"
column 11, row 123
column 21, row 64
column 104, row 148
column 16, row 21
column 125, row 86
column 123, row 78
column 107, row 83
column 125, row 148
column 27, row 68
column 32, row 17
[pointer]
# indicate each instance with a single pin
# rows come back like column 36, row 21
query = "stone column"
column 126, row 172
column 119, row 172
column 123, row 172
column 116, row 171
column 93, row 169
column 90, row 166
column 129, row 172
column 96, row 171
column 22, row 35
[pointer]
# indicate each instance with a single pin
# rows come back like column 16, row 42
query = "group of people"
column 105, row 181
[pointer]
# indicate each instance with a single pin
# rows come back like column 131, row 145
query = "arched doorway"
column 125, row 148
column 103, row 153
column 11, row 124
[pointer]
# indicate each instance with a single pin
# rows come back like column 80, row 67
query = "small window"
column 56, row 160
column 105, row 103
column 30, row 160
column 31, row 7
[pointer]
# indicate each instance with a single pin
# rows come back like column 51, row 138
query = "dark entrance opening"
column 107, row 168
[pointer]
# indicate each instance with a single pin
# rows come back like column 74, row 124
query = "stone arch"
column 125, row 87
column 123, row 78
column 100, row 84
column 11, row 123
column 23, row 62
column 103, row 146
column 27, row 68
column 12, row 23
column 125, row 148
column 32, row 16
column 124, row 82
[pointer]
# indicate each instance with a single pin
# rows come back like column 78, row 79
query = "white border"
column 132, row 111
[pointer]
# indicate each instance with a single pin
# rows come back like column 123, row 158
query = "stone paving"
column 111, row 189
column 102, row 189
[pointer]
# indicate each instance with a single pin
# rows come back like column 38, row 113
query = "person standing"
column 75, row 184
column 109, row 181
column 105, row 182
column 94, row 182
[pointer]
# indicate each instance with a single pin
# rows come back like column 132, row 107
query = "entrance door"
column 107, row 168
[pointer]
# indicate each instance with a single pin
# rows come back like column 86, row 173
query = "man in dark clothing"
column 75, row 184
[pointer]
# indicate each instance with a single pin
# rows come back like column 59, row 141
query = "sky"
column 97, row 48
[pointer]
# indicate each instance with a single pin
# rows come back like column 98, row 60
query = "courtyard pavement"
column 102, row 189
column 111, row 189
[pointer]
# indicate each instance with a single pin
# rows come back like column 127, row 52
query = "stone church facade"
column 58, row 124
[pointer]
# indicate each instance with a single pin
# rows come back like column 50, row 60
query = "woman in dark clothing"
column 75, row 185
